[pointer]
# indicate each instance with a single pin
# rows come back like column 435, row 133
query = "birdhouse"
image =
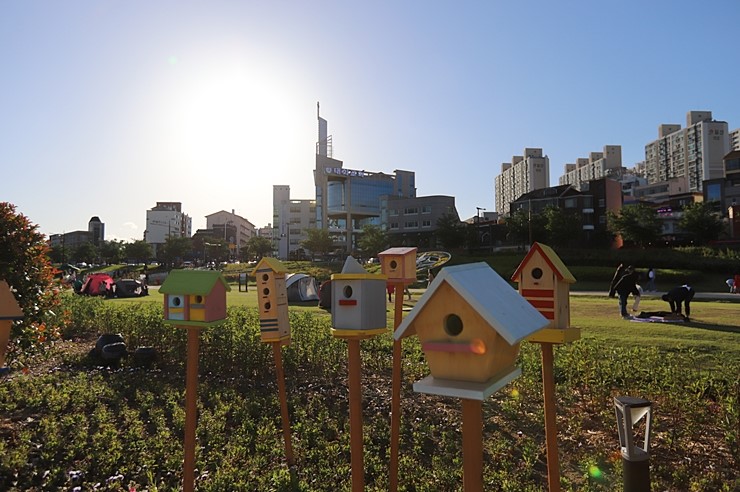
column 470, row 323
column 399, row 265
column 272, row 296
column 544, row 281
column 358, row 302
column 194, row 297
column 10, row 311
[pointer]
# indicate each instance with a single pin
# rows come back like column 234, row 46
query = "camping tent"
column 98, row 284
column 301, row 287
column 128, row 287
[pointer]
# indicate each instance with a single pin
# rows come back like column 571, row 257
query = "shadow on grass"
column 713, row 327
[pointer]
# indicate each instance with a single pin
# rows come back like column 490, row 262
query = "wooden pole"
column 396, row 389
column 551, row 431
column 191, row 408
column 355, row 416
column 4, row 338
column 472, row 445
column 280, row 375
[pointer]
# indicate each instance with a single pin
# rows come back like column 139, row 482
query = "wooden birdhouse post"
column 544, row 281
column 10, row 311
column 272, row 296
column 193, row 299
column 357, row 312
column 470, row 323
column 399, row 265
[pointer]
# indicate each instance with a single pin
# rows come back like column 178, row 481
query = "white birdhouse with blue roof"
column 358, row 302
column 470, row 322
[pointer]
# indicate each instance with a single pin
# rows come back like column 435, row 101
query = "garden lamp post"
column 635, row 459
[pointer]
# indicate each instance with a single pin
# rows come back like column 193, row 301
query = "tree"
column 563, row 227
column 638, row 224
column 372, row 240
column 138, row 251
column 451, row 232
column 25, row 266
column 110, row 251
column 701, row 222
column 176, row 248
column 318, row 242
column 525, row 228
column 258, row 247
column 59, row 254
column 86, row 252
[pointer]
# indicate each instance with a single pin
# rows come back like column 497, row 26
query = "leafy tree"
column 176, row 248
column 86, row 252
column 138, row 251
column 701, row 222
column 526, row 229
column 58, row 254
column 638, row 224
column 111, row 251
column 318, row 242
column 372, row 240
column 258, row 247
column 563, row 227
column 24, row 265
column 451, row 232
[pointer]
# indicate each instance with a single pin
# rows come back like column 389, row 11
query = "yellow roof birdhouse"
column 544, row 281
column 470, row 322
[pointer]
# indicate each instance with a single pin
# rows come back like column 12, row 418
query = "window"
column 411, row 224
column 602, row 202
column 426, row 223
column 427, row 209
column 570, row 203
column 393, row 212
column 410, row 210
column 393, row 225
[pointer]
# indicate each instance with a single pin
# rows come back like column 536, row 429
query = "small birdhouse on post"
column 544, row 281
column 470, row 323
column 399, row 265
column 194, row 297
column 272, row 295
column 10, row 311
column 358, row 302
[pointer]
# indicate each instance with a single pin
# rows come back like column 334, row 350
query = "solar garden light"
column 635, row 459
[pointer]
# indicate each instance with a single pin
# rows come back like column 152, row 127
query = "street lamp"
column 635, row 458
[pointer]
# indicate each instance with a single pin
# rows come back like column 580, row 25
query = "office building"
column 165, row 220
column 525, row 173
column 735, row 139
column 412, row 221
column 348, row 199
column 234, row 229
column 692, row 154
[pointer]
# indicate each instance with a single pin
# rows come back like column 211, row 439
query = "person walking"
column 674, row 297
column 626, row 285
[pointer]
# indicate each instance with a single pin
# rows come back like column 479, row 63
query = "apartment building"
column 290, row 220
column 607, row 163
column 525, row 173
column 412, row 221
column 692, row 154
column 735, row 139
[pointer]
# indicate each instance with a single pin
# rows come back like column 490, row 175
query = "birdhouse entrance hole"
column 347, row 291
column 453, row 325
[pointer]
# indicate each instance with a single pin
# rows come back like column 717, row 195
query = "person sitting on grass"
column 674, row 297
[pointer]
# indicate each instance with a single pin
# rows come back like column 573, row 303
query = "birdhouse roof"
column 9, row 307
column 195, row 282
column 268, row 263
column 507, row 312
column 352, row 270
column 397, row 251
column 551, row 258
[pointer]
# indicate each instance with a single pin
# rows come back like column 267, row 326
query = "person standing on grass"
column 626, row 285
column 674, row 297
column 651, row 280
column 617, row 275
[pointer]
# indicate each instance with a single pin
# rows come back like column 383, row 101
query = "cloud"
column 131, row 226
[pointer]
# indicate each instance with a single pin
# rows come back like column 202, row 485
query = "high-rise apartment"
column 598, row 165
column 523, row 174
column 735, row 139
column 164, row 220
column 692, row 154
column 290, row 220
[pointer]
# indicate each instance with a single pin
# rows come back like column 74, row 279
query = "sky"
column 107, row 107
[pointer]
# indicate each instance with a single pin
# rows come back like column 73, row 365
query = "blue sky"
column 107, row 107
